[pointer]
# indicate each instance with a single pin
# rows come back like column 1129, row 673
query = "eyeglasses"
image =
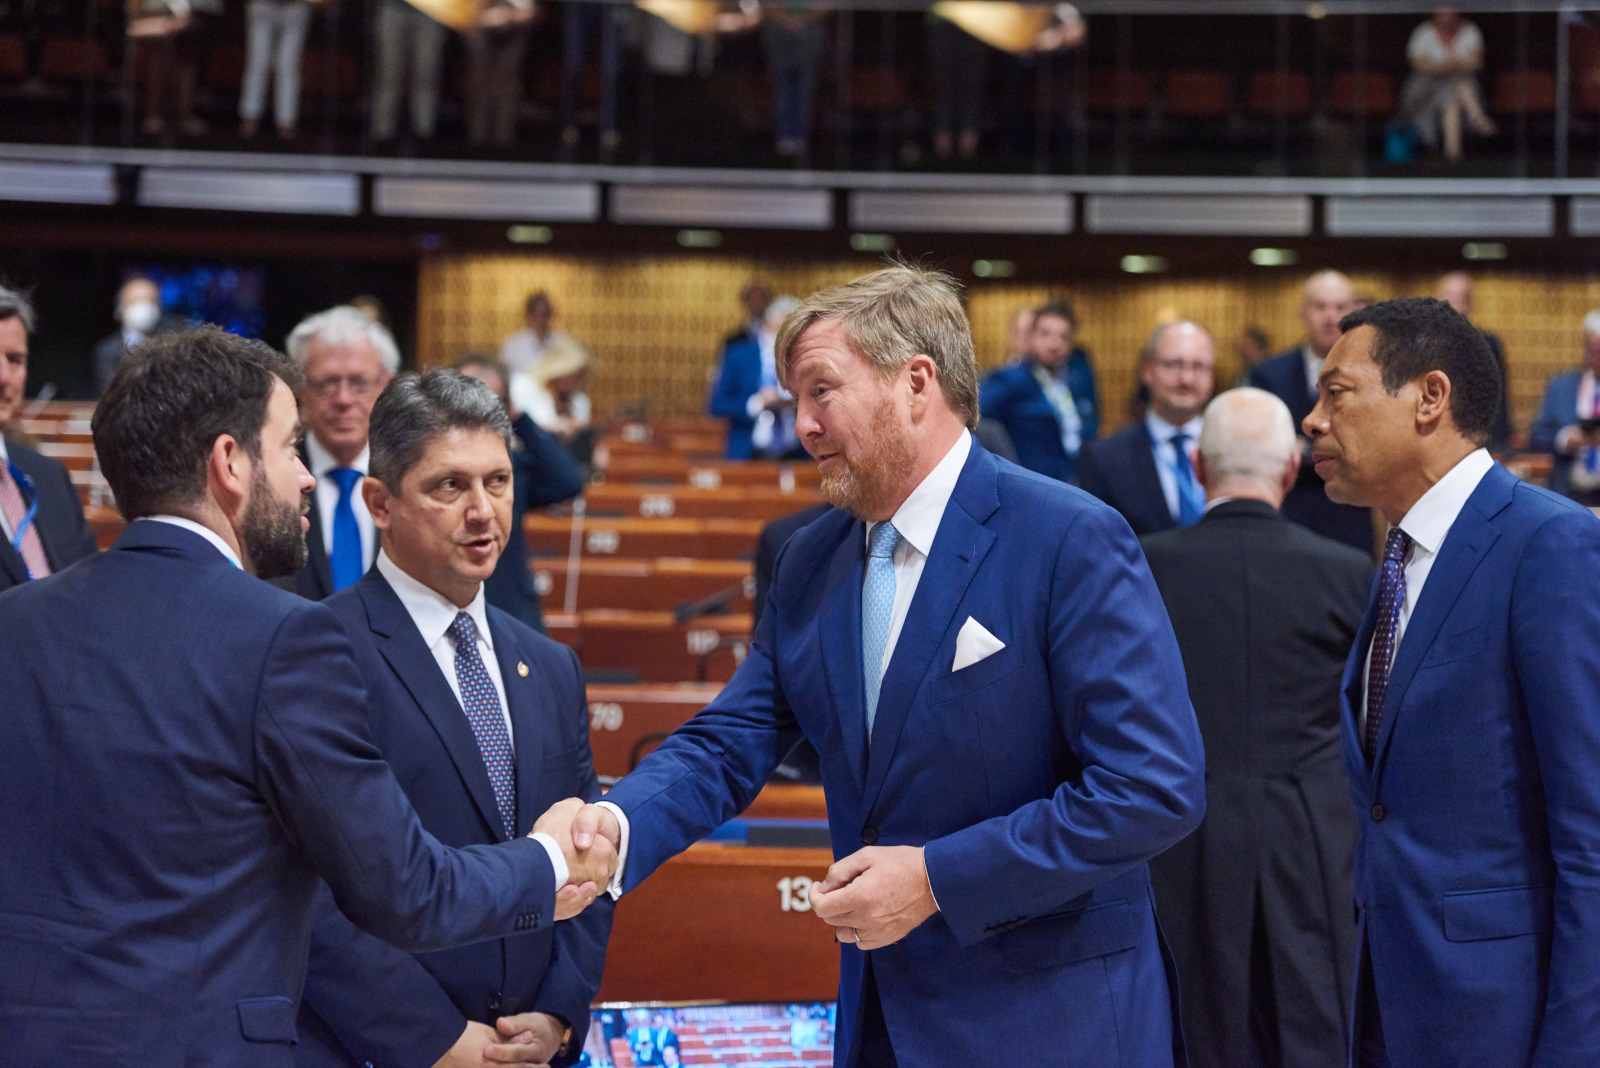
column 1178, row 367
column 360, row 387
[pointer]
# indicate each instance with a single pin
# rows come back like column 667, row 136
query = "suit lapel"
column 530, row 701
column 1355, row 681
column 959, row 547
column 1463, row 550
column 11, row 562
column 316, row 552
column 1147, row 481
column 840, row 624
column 401, row 645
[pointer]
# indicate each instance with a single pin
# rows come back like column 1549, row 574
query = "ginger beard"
column 867, row 486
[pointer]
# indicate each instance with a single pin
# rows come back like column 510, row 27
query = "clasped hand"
column 875, row 896
column 588, row 869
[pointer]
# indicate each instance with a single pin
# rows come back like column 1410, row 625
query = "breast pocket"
column 1451, row 647
column 974, row 677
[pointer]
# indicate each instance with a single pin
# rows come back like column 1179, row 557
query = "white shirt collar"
column 197, row 528
column 1313, row 367
column 5, row 457
column 322, row 460
column 430, row 610
column 1431, row 518
column 917, row 519
column 1161, row 431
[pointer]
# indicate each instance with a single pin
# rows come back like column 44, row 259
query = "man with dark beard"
column 983, row 662
column 188, row 751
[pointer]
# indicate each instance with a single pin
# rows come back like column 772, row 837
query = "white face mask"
column 141, row 316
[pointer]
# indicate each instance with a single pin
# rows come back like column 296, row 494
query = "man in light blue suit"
column 1470, row 729
column 982, row 660
column 1568, row 424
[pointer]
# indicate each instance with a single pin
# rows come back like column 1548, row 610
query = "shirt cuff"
column 557, row 861
column 614, row 888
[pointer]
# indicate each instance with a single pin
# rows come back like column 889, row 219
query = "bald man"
column 1292, row 377
column 1256, row 903
column 1456, row 289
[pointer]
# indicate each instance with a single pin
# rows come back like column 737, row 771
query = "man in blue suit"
column 748, row 395
column 1568, row 425
column 1146, row 469
column 1470, row 734
column 441, row 495
column 1292, row 377
column 187, row 752
column 982, row 660
column 42, row 526
column 1047, row 402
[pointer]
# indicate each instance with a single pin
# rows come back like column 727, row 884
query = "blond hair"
column 891, row 315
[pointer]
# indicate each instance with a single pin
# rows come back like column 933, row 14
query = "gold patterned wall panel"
column 654, row 324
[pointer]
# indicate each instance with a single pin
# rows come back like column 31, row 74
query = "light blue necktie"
column 1191, row 499
column 345, row 562
column 877, row 610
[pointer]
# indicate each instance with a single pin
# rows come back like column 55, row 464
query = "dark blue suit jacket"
column 1040, row 779
column 1478, row 873
column 366, row 1002
column 544, row 473
column 1557, row 411
column 1121, row 470
column 1012, row 397
column 63, row 531
column 1307, row 503
column 737, row 381
column 186, row 752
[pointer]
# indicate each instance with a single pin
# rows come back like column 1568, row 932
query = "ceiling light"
column 1274, row 257
column 872, row 242
column 1144, row 264
column 530, row 235
column 700, row 238
column 994, row 268
column 1484, row 250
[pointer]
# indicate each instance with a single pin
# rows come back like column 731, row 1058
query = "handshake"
column 589, row 837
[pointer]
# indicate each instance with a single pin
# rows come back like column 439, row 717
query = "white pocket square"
column 973, row 644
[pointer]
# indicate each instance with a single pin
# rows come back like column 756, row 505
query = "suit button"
column 869, row 836
column 1378, row 812
column 495, row 1004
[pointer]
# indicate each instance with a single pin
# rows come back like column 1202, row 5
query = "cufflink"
column 522, row 669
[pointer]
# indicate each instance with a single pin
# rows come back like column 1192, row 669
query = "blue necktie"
column 877, row 611
column 1191, row 499
column 1391, row 595
column 345, row 561
column 482, row 705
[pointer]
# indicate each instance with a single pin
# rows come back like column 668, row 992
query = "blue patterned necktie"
column 1191, row 498
column 344, row 562
column 877, row 610
column 1391, row 595
column 482, row 705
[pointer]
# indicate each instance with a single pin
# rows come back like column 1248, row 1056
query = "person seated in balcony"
column 170, row 38
column 275, row 38
column 1445, row 53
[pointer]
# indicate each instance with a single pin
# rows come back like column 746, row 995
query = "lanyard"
column 25, row 488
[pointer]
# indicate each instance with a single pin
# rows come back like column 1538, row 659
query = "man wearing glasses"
column 347, row 359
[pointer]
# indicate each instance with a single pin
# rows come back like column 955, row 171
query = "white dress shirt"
column 432, row 613
column 196, row 528
column 321, row 462
column 1427, row 523
column 1161, row 434
column 523, row 349
column 5, row 458
column 1313, row 364
column 917, row 521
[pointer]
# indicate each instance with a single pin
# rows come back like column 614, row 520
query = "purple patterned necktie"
column 1391, row 595
column 482, row 705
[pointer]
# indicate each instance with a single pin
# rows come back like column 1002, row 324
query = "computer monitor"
column 665, row 1034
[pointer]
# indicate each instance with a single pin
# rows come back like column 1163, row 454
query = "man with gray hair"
column 1256, row 903
column 485, row 724
column 1569, row 423
column 984, row 666
column 1146, row 469
column 42, row 527
column 347, row 358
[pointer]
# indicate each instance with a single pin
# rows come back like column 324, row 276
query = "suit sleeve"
column 731, row 394
column 1550, row 420
column 1121, row 700
column 1090, row 480
column 1555, row 615
column 340, row 806
column 80, row 541
column 572, row 978
column 553, row 475
column 994, row 397
column 1089, row 390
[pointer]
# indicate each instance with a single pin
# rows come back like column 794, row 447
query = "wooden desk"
column 622, row 717
column 703, row 539
column 655, row 647
column 763, row 503
column 655, row 585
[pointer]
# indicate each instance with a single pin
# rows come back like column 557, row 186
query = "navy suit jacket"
column 1307, row 503
column 737, row 381
column 543, row 473
column 1121, row 470
column 1557, row 411
column 1012, row 397
column 367, row 1002
column 63, row 531
column 186, row 752
column 1478, row 872
column 1040, row 779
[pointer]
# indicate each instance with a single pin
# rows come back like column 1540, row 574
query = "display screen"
column 776, row 1036
column 227, row 295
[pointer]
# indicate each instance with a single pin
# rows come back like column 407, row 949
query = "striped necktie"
column 24, row 532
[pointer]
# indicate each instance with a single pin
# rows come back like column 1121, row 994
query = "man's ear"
column 377, row 498
column 1433, row 399
column 1291, row 472
column 1200, row 474
column 228, row 472
column 923, row 377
